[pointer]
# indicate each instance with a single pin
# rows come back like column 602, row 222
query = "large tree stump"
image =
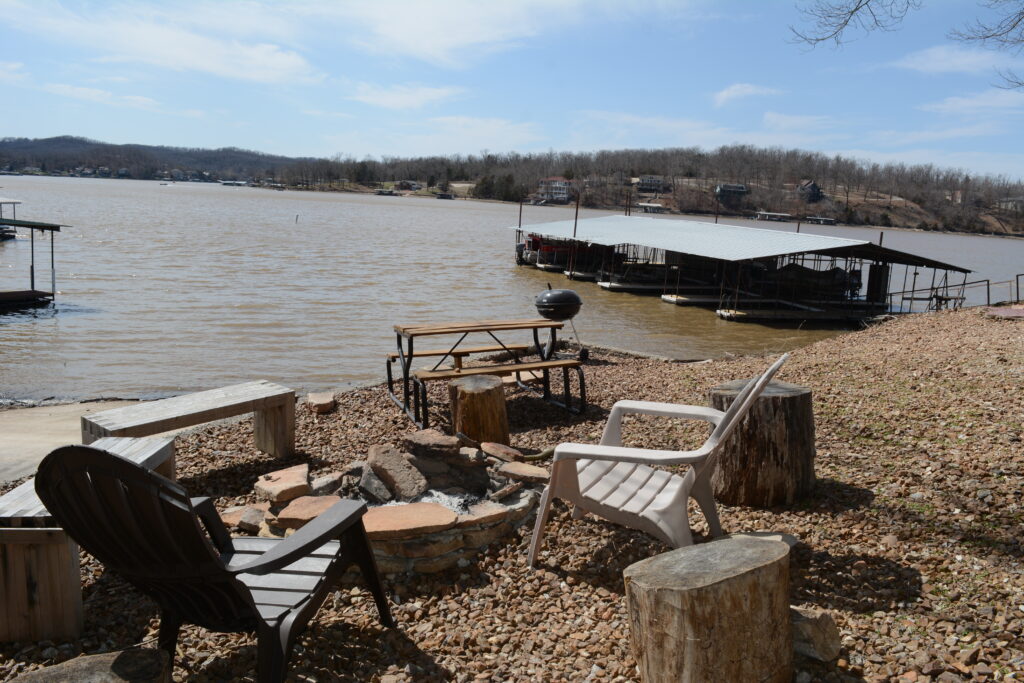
column 716, row 611
column 478, row 408
column 769, row 459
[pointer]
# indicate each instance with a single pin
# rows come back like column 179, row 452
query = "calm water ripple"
column 171, row 288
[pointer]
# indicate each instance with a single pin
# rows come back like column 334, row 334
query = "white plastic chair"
column 619, row 484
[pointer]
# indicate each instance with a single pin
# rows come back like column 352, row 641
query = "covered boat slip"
column 12, row 299
column 744, row 273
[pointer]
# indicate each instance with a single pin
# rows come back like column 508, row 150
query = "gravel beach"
column 912, row 538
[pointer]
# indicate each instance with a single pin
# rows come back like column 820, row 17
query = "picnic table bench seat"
column 421, row 377
column 273, row 407
column 40, row 583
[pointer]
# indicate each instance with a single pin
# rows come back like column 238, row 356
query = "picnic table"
column 413, row 397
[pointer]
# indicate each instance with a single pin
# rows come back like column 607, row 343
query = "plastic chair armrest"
column 580, row 451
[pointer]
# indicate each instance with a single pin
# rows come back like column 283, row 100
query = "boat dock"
column 15, row 299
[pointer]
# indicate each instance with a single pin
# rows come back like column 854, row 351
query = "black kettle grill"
column 560, row 305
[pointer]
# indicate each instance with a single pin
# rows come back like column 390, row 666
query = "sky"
column 403, row 78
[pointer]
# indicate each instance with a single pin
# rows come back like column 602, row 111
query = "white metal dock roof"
column 712, row 240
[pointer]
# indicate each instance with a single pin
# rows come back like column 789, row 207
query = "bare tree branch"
column 1005, row 33
column 832, row 18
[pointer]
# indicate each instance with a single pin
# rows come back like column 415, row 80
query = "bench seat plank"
column 500, row 370
column 476, row 326
column 465, row 351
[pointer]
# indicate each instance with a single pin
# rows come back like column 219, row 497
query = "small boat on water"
column 7, row 232
column 445, row 195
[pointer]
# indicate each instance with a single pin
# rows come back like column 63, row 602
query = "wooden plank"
column 464, row 351
column 500, row 370
column 478, row 326
column 32, row 535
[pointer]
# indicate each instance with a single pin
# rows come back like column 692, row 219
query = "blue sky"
column 403, row 78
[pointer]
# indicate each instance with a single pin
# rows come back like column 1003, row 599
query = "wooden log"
column 769, row 459
column 715, row 611
column 478, row 408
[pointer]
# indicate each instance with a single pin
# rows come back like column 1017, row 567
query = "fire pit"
column 434, row 504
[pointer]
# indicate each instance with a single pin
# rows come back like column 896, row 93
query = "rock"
column 402, row 479
column 469, row 457
column 520, row 471
column 322, row 402
column 354, row 469
column 815, row 634
column 326, row 484
column 253, row 517
column 428, row 466
column 484, row 512
column 301, row 510
column 402, row 521
column 430, row 443
column 501, row 451
column 373, row 488
column 139, row 665
column 284, row 485
column 232, row 515
column 268, row 531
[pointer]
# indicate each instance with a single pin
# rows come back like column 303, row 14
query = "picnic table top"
column 422, row 330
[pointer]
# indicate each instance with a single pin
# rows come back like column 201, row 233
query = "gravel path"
column 912, row 538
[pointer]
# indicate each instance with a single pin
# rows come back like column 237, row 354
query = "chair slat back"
column 741, row 404
column 142, row 526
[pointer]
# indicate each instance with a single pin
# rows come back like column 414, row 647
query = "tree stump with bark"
column 769, row 459
column 715, row 611
column 478, row 408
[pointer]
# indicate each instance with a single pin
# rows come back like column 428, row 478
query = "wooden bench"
column 544, row 367
column 272, row 405
column 456, row 354
column 40, row 580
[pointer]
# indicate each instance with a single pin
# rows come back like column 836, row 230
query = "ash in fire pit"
column 433, row 504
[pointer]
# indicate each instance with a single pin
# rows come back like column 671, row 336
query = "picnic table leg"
column 274, row 428
column 545, row 352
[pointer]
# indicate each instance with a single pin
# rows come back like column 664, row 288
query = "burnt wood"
column 176, row 550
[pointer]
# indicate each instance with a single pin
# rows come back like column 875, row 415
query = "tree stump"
column 716, row 611
column 478, row 408
column 769, row 459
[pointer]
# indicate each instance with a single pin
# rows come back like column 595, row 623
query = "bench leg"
column 40, row 586
column 274, row 429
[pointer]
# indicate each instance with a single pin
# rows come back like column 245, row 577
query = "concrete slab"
column 28, row 434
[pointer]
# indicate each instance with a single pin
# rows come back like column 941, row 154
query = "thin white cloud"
column 438, row 135
column 135, row 33
column 402, row 96
column 738, row 91
column 102, row 96
column 775, row 121
column 993, row 101
column 321, row 113
column 456, row 30
column 12, row 72
column 953, row 59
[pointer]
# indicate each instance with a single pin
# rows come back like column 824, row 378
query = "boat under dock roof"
column 720, row 241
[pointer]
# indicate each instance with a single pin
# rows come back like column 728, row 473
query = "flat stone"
column 232, row 515
column 430, row 443
column 268, row 531
column 284, row 485
column 815, row 634
column 302, row 510
column 484, row 512
column 478, row 538
column 354, row 469
column 253, row 517
column 501, row 451
column 141, row 665
column 373, row 488
column 402, row 479
column 428, row 466
column 327, row 484
column 469, row 457
column 321, row 402
column 437, row 564
column 404, row 521
column 521, row 471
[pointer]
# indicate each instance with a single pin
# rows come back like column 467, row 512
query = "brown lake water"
column 172, row 288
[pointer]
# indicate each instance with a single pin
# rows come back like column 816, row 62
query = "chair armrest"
column 328, row 526
column 203, row 506
column 612, row 435
column 580, row 451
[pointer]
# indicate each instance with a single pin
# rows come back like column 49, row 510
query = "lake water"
column 172, row 288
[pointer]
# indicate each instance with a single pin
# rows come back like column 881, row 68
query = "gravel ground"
column 912, row 537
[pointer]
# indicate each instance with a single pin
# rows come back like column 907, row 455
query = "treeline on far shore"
column 773, row 179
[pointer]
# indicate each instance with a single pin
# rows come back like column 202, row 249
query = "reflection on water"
column 169, row 288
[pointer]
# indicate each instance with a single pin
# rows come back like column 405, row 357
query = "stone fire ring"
column 428, row 537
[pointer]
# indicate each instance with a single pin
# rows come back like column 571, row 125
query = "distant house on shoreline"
column 555, row 189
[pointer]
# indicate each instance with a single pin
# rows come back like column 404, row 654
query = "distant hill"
column 82, row 156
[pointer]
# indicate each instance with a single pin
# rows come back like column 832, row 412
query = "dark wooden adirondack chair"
column 147, row 529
